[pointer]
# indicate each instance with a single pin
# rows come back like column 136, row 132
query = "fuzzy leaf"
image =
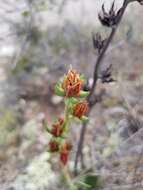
column 73, row 100
column 84, row 119
column 83, row 94
column 59, row 91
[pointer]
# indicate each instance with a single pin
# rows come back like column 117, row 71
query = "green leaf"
column 46, row 127
column 48, row 130
column 73, row 100
column 83, row 94
column 21, row 65
column 84, row 119
column 25, row 13
column 82, row 77
column 76, row 119
column 89, row 182
column 58, row 90
column 92, row 181
column 81, row 183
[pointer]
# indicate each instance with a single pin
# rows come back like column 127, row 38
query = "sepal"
column 58, row 90
column 84, row 119
column 83, row 94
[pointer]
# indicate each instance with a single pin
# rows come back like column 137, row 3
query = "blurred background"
column 39, row 40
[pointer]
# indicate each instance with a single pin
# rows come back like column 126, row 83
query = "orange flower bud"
column 72, row 83
column 53, row 146
column 80, row 109
column 57, row 129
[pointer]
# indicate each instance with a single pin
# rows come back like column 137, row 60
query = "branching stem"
column 95, row 78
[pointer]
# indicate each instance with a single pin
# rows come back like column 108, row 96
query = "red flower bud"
column 72, row 83
column 80, row 109
column 53, row 146
column 64, row 157
column 57, row 129
column 64, row 152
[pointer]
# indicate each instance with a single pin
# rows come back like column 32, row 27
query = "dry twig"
column 111, row 20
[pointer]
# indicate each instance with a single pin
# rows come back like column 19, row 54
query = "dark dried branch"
column 116, row 23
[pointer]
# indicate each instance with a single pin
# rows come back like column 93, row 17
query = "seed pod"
column 110, row 18
column 98, row 42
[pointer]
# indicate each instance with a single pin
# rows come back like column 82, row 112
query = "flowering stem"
column 66, row 114
column 65, row 172
column 68, row 180
column 70, row 89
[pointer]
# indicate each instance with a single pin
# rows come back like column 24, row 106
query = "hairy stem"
column 66, row 114
column 68, row 180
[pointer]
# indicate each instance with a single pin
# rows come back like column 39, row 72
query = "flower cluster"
column 76, row 107
column 71, row 85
